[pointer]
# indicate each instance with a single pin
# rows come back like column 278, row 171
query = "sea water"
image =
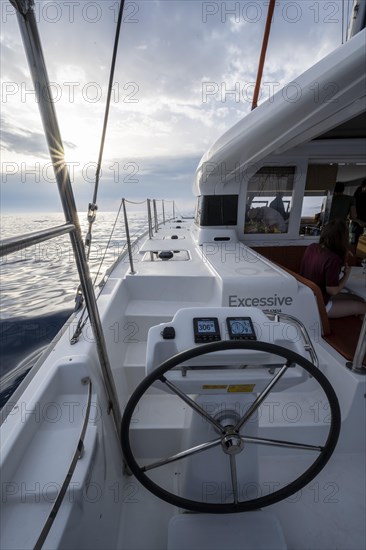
column 39, row 283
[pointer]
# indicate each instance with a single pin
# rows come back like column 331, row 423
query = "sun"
column 81, row 141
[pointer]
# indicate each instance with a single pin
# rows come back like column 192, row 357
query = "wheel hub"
column 232, row 443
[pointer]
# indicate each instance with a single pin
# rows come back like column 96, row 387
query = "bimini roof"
column 324, row 97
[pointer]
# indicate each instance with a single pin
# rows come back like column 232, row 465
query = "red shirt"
column 321, row 266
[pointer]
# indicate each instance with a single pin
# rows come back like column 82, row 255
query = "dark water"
column 39, row 283
column 22, row 341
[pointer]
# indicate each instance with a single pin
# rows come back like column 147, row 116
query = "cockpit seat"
column 245, row 531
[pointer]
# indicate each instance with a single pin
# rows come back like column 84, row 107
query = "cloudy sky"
column 185, row 74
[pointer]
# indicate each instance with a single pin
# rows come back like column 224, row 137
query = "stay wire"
column 93, row 206
column 82, row 323
column 110, row 86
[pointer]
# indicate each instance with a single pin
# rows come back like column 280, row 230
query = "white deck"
column 316, row 518
column 328, row 513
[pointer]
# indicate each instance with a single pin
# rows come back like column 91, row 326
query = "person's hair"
column 334, row 237
column 339, row 187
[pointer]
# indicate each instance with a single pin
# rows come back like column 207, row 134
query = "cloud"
column 184, row 75
column 23, row 142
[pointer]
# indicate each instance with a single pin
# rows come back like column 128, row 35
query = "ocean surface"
column 38, row 284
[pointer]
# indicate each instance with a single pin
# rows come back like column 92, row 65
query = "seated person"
column 267, row 220
column 278, row 205
column 323, row 264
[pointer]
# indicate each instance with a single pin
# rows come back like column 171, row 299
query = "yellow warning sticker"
column 214, row 387
column 241, row 388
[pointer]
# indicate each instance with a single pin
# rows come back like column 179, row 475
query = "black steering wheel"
column 231, row 440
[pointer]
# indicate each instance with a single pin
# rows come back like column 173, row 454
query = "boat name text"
column 239, row 301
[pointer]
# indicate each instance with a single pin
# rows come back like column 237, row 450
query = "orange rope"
column 263, row 52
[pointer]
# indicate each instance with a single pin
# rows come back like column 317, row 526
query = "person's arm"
column 353, row 213
column 333, row 290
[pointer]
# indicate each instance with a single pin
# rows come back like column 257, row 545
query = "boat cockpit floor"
column 324, row 515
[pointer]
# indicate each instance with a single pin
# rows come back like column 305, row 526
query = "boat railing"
column 153, row 225
column 308, row 346
column 14, row 244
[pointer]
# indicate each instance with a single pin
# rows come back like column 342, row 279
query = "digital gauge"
column 206, row 329
column 240, row 328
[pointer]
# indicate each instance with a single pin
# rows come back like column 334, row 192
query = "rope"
column 135, row 202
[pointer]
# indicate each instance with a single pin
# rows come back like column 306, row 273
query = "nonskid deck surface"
column 328, row 513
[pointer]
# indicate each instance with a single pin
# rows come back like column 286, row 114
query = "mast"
column 267, row 30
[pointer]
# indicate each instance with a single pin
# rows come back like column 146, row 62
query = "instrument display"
column 206, row 329
column 240, row 328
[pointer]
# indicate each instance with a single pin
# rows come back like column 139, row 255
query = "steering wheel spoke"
column 183, row 454
column 192, row 403
column 234, row 478
column 281, row 443
column 230, row 440
column 261, row 397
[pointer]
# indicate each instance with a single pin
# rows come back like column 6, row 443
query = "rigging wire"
column 92, row 210
column 108, row 243
column 79, row 299
column 81, row 322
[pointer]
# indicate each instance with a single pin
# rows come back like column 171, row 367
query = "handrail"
column 13, row 244
column 150, row 228
column 78, row 453
column 308, row 344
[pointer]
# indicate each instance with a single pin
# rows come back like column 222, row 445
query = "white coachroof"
column 328, row 94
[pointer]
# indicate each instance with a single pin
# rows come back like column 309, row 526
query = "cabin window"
column 269, row 200
column 320, row 182
column 217, row 210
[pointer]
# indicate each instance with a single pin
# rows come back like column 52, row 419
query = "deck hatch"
column 166, row 256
